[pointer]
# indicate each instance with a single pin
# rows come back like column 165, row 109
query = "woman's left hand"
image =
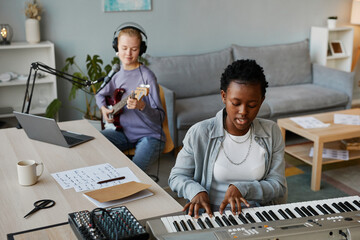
column 133, row 103
column 234, row 197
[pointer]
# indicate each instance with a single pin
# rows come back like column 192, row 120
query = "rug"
column 337, row 180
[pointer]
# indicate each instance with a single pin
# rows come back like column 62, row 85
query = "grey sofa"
column 296, row 86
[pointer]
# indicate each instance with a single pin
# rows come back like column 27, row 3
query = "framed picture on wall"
column 126, row 5
column 328, row 50
column 337, row 48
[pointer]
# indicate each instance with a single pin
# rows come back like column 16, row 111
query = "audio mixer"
column 116, row 223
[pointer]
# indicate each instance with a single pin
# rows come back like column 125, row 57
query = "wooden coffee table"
column 328, row 137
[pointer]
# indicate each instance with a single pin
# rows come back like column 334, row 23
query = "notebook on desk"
column 47, row 130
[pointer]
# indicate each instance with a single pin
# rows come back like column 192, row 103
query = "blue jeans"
column 147, row 149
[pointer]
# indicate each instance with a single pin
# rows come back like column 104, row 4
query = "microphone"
column 106, row 80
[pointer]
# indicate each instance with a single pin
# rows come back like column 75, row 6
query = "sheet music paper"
column 346, row 119
column 84, row 179
column 309, row 122
column 332, row 153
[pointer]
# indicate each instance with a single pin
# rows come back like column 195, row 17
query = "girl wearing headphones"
column 140, row 120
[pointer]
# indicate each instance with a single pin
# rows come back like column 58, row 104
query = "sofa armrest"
column 170, row 109
column 334, row 79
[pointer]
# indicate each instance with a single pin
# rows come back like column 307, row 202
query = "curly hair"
column 244, row 71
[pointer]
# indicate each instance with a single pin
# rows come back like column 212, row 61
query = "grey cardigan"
column 194, row 165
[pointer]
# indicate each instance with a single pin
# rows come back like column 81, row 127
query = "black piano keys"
column 226, row 221
column 329, row 209
column 357, row 203
column 312, row 210
column 291, row 214
column 318, row 206
column 183, row 225
column 191, row 225
column 265, row 214
column 350, row 206
column 283, row 214
column 232, row 220
column 176, row 225
column 243, row 219
column 208, row 222
column 273, row 215
column 201, row 223
column 219, row 222
column 337, row 207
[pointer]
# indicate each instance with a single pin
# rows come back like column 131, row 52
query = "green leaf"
column 53, row 108
column 94, row 70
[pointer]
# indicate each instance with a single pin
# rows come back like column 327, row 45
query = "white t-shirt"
column 236, row 148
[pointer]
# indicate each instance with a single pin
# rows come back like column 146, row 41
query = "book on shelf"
column 351, row 144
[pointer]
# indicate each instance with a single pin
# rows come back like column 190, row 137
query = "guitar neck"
column 118, row 106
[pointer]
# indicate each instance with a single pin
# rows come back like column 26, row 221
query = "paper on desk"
column 332, row 153
column 117, row 192
column 309, row 122
column 143, row 194
column 347, row 119
column 82, row 179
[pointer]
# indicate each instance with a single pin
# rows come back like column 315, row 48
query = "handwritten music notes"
column 347, row 119
column 83, row 179
column 332, row 153
column 309, row 122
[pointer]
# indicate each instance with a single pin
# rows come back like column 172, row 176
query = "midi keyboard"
column 337, row 218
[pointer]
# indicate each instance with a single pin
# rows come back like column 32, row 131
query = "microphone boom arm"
column 38, row 66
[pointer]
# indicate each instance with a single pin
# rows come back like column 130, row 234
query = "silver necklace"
column 239, row 141
column 247, row 154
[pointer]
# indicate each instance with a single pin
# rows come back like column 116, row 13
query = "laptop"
column 47, row 130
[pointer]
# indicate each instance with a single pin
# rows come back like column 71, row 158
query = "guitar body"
column 111, row 101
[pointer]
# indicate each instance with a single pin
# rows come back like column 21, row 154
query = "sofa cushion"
column 191, row 75
column 192, row 110
column 334, row 79
column 284, row 64
column 287, row 100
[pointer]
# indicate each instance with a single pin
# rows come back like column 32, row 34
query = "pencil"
column 111, row 179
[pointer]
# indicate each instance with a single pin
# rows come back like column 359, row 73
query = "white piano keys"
column 168, row 224
column 177, row 220
column 211, row 220
column 228, row 213
column 252, row 212
column 168, row 221
column 197, row 227
column 184, row 221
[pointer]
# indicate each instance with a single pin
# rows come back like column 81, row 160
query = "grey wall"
column 174, row 27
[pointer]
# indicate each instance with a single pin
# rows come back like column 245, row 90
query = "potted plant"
column 33, row 11
column 94, row 71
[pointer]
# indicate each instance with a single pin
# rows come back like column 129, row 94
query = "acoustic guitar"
column 118, row 102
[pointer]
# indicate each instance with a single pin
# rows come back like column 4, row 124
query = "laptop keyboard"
column 71, row 140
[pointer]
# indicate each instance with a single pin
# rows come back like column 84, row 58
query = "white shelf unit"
column 17, row 57
column 319, row 44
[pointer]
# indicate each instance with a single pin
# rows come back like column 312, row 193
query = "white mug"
column 27, row 172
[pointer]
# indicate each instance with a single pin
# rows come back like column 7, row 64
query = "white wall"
column 174, row 27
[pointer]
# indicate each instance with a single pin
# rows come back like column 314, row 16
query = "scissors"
column 41, row 204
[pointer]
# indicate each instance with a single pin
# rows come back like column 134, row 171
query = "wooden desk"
column 321, row 137
column 17, row 200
